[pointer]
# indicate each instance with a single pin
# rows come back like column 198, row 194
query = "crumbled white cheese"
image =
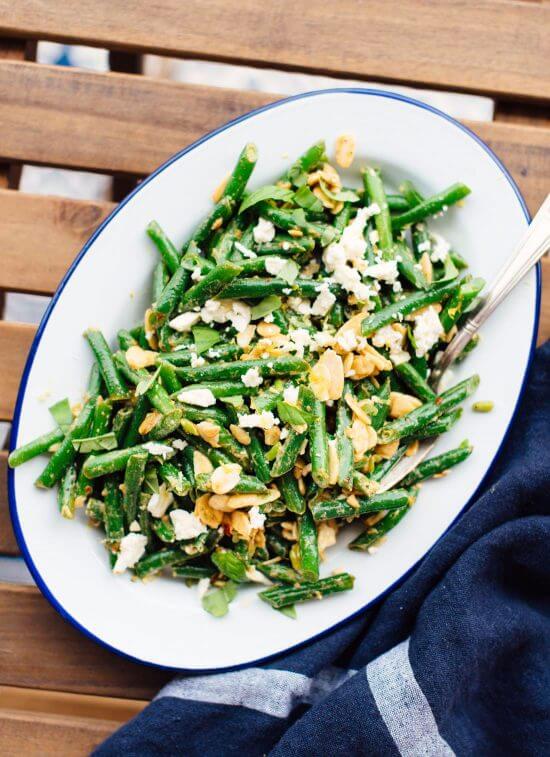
column 284, row 434
column 160, row 450
column 427, row 330
column 290, row 394
column 197, row 274
column 347, row 340
column 440, row 248
column 264, row 231
column 349, row 249
column 374, row 236
column 274, row 265
column 372, row 210
column 253, row 574
column 184, row 322
column 234, row 311
column 252, row 377
column 424, row 246
column 393, row 340
column 197, row 361
column 323, row 302
column 323, row 340
column 179, row 444
column 299, row 340
column 245, row 251
column 134, row 526
column 198, row 397
column 202, row 587
column 132, row 547
column 186, row 525
column 264, row 420
column 300, row 305
column 256, row 518
column 386, row 270
column 160, row 501
column 397, row 286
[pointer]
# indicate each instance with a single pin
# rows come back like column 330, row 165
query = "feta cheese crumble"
column 234, row 311
column 323, row 302
column 245, row 251
column 186, row 525
column 386, row 270
column 134, row 526
column 197, row 397
column 197, row 361
column 347, row 340
column 350, row 249
column 158, row 449
column 290, row 394
column 300, row 305
column 184, row 322
column 427, row 330
column 131, row 549
column 256, row 518
column 252, row 378
column 274, row 265
column 264, row 420
column 394, row 340
column 264, row 231
column 440, row 248
column 160, row 501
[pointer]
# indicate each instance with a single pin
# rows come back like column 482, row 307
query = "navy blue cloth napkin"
column 454, row 661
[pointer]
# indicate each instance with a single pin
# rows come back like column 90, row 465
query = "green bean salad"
column 280, row 372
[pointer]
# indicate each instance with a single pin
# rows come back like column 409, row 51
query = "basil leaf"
column 216, row 602
column 230, row 564
column 269, row 192
column 146, row 383
column 305, row 198
column 450, row 271
column 342, row 195
column 265, row 306
column 289, row 272
column 205, row 337
column 62, row 414
column 99, row 443
column 292, row 415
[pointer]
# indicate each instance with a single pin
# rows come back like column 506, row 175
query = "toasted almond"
column 353, row 501
column 373, row 519
column 149, row 422
column 449, row 334
column 289, row 530
column 210, row 432
column 401, row 404
column 296, row 233
column 137, row 358
column 362, row 366
column 246, row 336
column 326, row 201
column 412, row 449
column 238, row 501
column 272, row 435
column 240, row 434
column 207, row 514
column 149, row 326
column 225, row 478
column 217, row 224
column 327, row 376
column 426, row 267
column 240, row 523
column 268, row 329
column 356, row 408
column 301, row 486
column 354, row 324
column 331, row 176
column 363, row 437
column 382, row 363
column 333, row 462
column 345, row 150
column 326, row 536
column 348, row 364
column 201, row 464
column 387, row 450
column 217, row 194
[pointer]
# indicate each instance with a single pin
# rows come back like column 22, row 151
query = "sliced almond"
column 137, row 358
column 149, row 422
column 225, row 478
column 240, row 524
column 207, row 514
column 289, row 530
column 412, row 449
column 246, row 336
column 326, row 536
column 382, row 363
column 272, row 435
column 387, row 450
column 149, row 326
column 268, row 329
column 217, row 224
column 363, row 437
column 353, row 501
column 210, row 432
column 356, row 408
column 217, row 194
column 240, row 434
column 354, row 324
column 327, row 376
column 345, row 150
column 227, row 503
column 201, row 464
column 402, row 404
column 362, row 366
column 426, row 267
column 296, row 233
column 333, row 462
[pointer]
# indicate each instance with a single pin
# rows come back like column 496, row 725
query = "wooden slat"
column 15, row 340
column 80, row 119
column 40, row 236
column 490, row 46
column 8, row 544
column 41, row 650
column 39, row 735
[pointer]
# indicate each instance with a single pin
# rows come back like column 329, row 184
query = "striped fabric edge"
column 273, row 692
column 403, row 705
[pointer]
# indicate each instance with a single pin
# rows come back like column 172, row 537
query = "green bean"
column 420, row 240
column 363, row 484
column 114, row 518
column 109, row 462
column 35, row 447
column 236, row 184
column 457, row 394
column 164, row 529
column 126, row 340
column 458, row 260
column 141, row 409
column 289, row 220
column 408, row 267
column 288, row 453
column 167, row 249
column 232, row 447
column 439, row 426
column 373, row 533
column 104, row 358
column 193, row 572
column 100, row 425
column 183, row 358
column 431, row 205
column 133, row 479
column 438, row 464
column 156, row 394
column 381, row 405
column 472, row 344
column 408, row 373
column 222, row 389
column 157, row 561
column 292, row 498
column 459, row 301
column 284, row 245
column 309, row 551
column 309, row 160
column 209, row 286
column 410, row 193
column 121, row 421
column 169, row 378
column 318, row 438
column 375, row 189
column 344, row 446
column 222, row 211
column 257, row 458
column 166, row 426
column 384, row 467
column 282, row 596
column 66, row 453
column 277, row 545
column 175, row 479
column 66, row 493
column 173, row 292
column 278, row 572
column 337, row 315
column 95, row 510
column 160, row 280
column 246, row 484
column 280, row 366
column 397, row 310
column 339, row 508
column 223, row 246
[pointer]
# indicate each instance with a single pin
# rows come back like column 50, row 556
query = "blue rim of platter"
column 43, row 323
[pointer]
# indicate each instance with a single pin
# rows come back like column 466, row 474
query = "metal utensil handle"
column 532, row 247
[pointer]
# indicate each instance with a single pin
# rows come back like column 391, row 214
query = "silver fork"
column 534, row 244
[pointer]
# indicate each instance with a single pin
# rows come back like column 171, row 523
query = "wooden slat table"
column 59, row 692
